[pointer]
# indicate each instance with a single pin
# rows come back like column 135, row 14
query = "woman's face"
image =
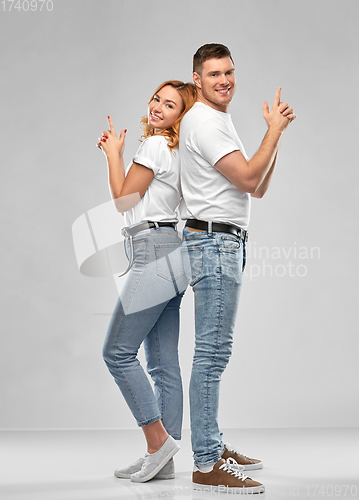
column 165, row 108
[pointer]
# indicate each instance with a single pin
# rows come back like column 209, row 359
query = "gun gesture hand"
column 281, row 114
column 110, row 143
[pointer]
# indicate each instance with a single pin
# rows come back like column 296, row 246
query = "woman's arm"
column 126, row 191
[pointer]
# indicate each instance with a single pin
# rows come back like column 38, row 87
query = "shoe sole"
column 158, row 476
column 120, row 475
column 156, row 469
column 253, row 466
column 167, row 476
column 227, row 489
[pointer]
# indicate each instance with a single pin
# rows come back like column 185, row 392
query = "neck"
column 203, row 100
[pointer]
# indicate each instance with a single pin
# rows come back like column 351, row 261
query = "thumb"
column 122, row 133
column 265, row 108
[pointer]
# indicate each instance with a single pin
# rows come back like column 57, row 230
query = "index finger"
column 277, row 96
column 111, row 125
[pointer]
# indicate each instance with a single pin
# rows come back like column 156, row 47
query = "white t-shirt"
column 163, row 195
column 206, row 136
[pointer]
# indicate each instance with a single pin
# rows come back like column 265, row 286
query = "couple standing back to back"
column 217, row 182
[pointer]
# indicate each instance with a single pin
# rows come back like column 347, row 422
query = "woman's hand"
column 110, row 143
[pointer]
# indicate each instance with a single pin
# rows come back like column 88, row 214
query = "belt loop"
column 209, row 228
column 156, row 224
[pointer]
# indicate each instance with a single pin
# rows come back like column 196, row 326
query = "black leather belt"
column 218, row 227
column 148, row 225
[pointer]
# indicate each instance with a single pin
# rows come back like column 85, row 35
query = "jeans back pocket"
column 169, row 261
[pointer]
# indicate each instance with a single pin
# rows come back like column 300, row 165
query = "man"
column 218, row 180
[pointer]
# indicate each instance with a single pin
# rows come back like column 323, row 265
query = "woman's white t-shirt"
column 163, row 195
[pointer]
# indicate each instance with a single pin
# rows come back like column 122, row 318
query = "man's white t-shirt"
column 163, row 195
column 206, row 136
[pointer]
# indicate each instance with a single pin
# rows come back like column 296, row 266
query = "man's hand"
column 281, row 114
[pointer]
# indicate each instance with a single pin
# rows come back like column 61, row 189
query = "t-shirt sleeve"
column 214, row 141
column 153, row 154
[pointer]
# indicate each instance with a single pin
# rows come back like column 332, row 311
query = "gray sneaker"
column 167, row 472
column 154, row 462
column 126, row 472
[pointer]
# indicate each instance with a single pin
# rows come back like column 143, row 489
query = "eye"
column 170, row 106
column 156, row 99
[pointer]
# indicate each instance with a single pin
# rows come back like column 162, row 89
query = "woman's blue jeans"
column 216, row 261
column 148, row 311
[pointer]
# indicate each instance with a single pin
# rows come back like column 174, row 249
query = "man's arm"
column 261, row 191
column 254, row 176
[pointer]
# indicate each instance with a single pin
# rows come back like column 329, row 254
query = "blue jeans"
column 216, row 262
column 148, row 311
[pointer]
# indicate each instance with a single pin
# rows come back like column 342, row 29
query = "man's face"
column 217, row 83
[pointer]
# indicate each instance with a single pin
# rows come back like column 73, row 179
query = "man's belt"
column 218, row 227
column 148, row 225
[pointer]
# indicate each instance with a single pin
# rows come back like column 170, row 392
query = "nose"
column 224, row 80
column 157, row 107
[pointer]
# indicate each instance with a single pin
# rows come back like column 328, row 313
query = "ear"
column 197, row 80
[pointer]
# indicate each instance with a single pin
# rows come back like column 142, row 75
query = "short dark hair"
column 209, row 51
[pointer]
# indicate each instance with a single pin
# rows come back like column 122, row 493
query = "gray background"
column 295, row 361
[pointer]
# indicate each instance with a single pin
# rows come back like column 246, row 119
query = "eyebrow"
column 218, row 71
column 167, row 100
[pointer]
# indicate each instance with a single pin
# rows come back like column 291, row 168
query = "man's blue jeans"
column 216, row 263
column 148, row 311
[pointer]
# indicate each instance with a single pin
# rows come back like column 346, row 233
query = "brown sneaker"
column 248, row 463
column 226, row 477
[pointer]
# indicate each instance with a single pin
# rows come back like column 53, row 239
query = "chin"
column 152, row 124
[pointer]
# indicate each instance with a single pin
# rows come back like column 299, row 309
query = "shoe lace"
column 234, row 450
column 232, row 461
column 232, row 467
column 145, row 459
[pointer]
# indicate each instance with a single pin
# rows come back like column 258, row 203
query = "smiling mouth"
column 223, row 91
column 155, row 117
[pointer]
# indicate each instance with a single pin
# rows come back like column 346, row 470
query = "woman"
column 148, row 307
